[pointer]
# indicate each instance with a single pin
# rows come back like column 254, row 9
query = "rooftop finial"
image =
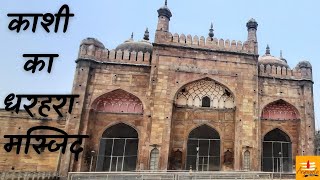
column 146, row 35
column 211, row 34
column 166, row 2
column 132, row 35
column 268, row 50
column 281, row 57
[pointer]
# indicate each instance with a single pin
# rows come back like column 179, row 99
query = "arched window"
column 203, row 149
column 118, row 101
column 154, row 159
column 206, row 101
column 246, row 160
column 118, row 149
column 277, row 155
column 280, row 110
column 205, row 91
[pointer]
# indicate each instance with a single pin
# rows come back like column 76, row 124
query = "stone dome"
column 165, row 11
column 304, row 64
column 131, row 45
column 268, row 59
column 92, row 41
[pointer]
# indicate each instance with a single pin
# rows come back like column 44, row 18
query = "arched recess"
column 118, row 149
column 277, row 152
column 118, row 101
column 246, row 160
column 280, row 110
column 208, row 90
column 154, row 159
column 203, row 149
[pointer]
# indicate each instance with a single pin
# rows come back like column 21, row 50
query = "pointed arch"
column 280, row 110
column 277, row 135
column 246, row 160
column 277, row 151
column 118, row 101
column 118, row 149
column 192, row 94
column 154, row 159
column 203, row 149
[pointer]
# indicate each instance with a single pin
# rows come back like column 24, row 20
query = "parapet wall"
column 285, row 73
column 104, row 55
column 247, row 47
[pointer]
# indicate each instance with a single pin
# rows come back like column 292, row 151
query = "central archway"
column 203, row 149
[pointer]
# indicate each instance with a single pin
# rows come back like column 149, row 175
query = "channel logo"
column 307, row 167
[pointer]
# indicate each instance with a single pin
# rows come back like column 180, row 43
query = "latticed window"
column 280, row 110
column 154, row 159
column 205, row 93
column 246, row 161
column 119, row 101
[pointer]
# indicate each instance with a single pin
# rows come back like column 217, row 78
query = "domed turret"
column 252, row 24
column 165, row 11
column 164, row 15
column 268, row 59
column 304, row 64
column 143, row 45
column 92, row 41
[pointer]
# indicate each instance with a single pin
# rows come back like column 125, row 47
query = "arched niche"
column 154, row 159
column 280, row 110
column 205, row 93
column 118, row 101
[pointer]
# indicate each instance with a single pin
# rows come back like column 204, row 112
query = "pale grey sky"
column 288, row 25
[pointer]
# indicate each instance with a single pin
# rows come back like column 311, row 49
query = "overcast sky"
column 289, row 25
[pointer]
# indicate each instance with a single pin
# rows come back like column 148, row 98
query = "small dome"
column 304, row 64
column 165, row 11
column 252, row 23
column 268, row 59
column 271, row 60
column 130, row 45
column 92, row 41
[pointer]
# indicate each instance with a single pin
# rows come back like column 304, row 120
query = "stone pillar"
column 73, row 120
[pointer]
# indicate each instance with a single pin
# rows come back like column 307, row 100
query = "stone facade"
column 156, row 77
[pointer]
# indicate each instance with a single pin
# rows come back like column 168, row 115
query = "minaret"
column 252, row 27
column 164, row 18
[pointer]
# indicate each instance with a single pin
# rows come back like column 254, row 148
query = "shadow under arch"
column 279, row 110
column 203, row 149
column 120, row 122
column 118, row 150
column 277, row 151
column 118, row 101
